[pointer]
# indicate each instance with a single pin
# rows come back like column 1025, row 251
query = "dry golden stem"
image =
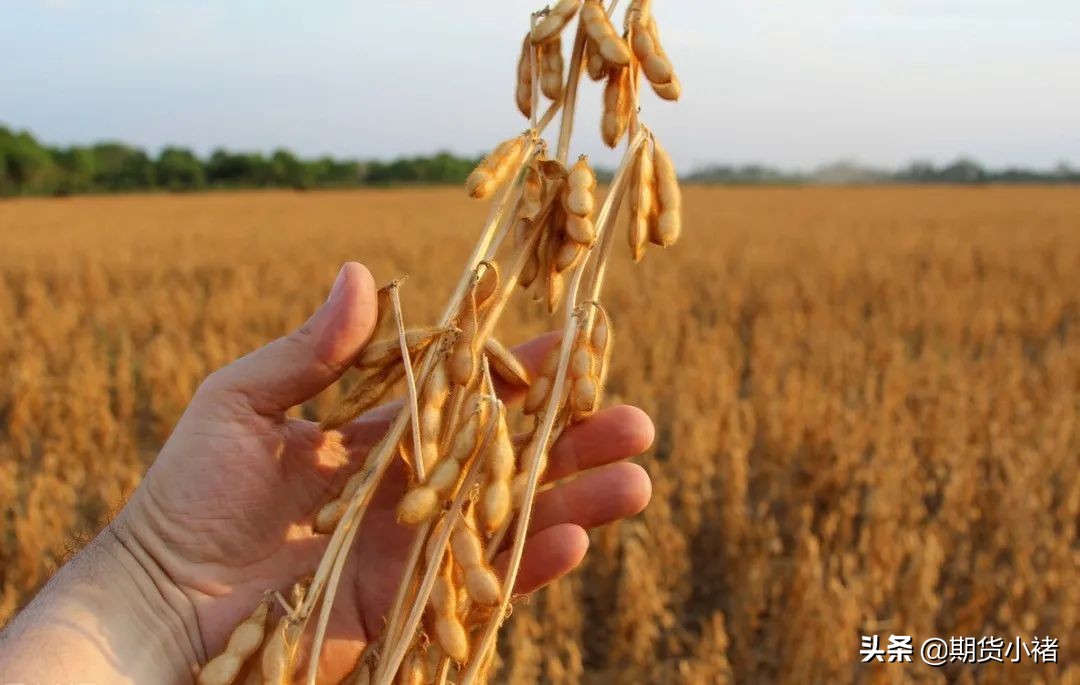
column 392, row 633
column 596, row 278
column 566, row 127
column 534, row 69
column 444, row 671
column 328, row 599
column 541, row 441
column 457, row 401
column 552, row 110
column 635, row 94
column 410, row 381
column 388, row 666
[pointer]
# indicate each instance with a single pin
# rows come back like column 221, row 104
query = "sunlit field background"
column 867, row 405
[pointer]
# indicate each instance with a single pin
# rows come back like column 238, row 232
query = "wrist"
column 108, row 615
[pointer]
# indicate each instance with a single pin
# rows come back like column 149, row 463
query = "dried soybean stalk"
column 330, row 566
column 392, row 631
column 554, row 242
column 535, row 67
column 332, row 583
column 419, row 458
column 566, row 125
column 544, row 433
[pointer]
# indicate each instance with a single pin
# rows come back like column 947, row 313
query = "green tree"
column 28, row 167
column 78, row 167
column 238, row 170
column 179, row 169
column 120, row 167
column 287, row 170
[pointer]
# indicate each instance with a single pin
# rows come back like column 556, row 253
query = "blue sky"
column 788, row 83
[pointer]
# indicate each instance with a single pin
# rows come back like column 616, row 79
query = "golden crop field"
column 867, row 406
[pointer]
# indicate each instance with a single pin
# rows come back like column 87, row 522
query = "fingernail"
column 339, row 285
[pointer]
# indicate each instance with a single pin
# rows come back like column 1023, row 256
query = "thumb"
column 295, row 368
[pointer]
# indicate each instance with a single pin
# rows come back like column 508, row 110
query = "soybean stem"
column 534, row 73
column 566, row 126
column 410, row 380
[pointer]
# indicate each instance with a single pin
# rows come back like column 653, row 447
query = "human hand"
column 225, row 511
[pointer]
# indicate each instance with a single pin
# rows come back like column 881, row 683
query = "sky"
column 793, row 84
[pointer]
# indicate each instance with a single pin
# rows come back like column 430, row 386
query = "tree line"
column 962, row 171
column 27, row 167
